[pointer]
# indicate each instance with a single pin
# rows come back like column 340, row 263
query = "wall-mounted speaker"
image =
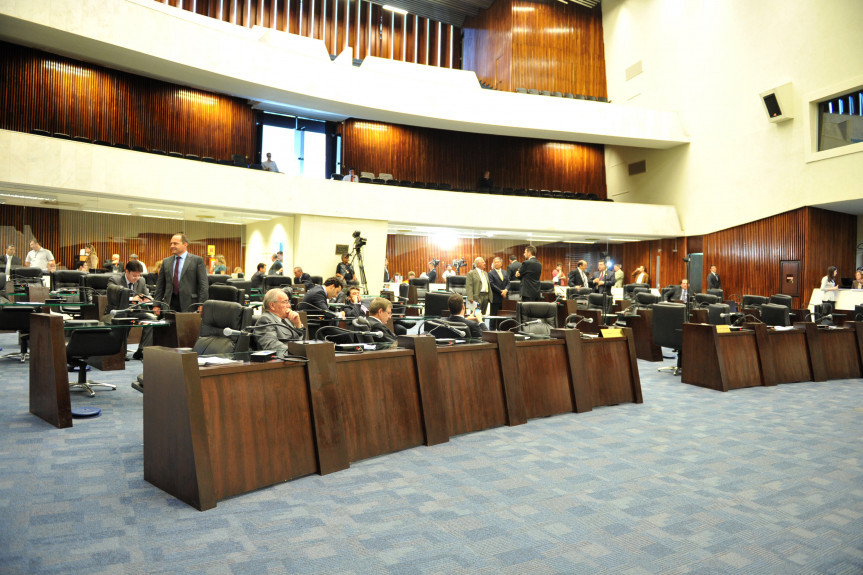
column 779, row 103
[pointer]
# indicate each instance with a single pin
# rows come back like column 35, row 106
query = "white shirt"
column 827, row 295
column 143, row 265
column 349, row 179
column 448, row 273
column 39, row 259
column 270, row 166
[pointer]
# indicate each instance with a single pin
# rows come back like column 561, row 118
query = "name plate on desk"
column 611, row 332
column 723, row 328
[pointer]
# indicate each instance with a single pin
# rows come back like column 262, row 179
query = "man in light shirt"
column 38, row 257
column 269, row 165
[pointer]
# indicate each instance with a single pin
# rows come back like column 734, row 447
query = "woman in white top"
column 829, row 288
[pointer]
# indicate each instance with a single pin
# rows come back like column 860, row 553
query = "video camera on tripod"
column 458, row 264
column 359, row 241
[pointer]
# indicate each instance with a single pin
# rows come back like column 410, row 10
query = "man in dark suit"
column 380, row 312
column 474, row 324
column 258, row 277
column 114, row 265
column 513, row 266
column 300, row 277
column 603, row 280
column 387, row 270
column 131, row 279
column 182, row 280
column 316, row 300
column 499, row 280
column 277, row 311
column 578, row 277
column 713, row 281
column 9, row 260
column 276, row 268
column 529, row 274
column 682, row 292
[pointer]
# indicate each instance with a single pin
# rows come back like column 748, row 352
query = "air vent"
column 637, row 167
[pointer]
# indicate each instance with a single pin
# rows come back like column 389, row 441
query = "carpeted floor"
column 761, row 481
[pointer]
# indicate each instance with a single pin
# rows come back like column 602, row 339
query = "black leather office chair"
column 118, row 302
column 546, row 286
column 514, row 290
column 597, row 301
column 317, row 280
column 218, row 278
column 65, row 279
column 645, row 300
column 215, row 317
column 436, row 303
column 666, row 293
column 225, row 292
column 97, row 284
column 92, row 342
column 546, row 312
column 571, row 293
column 717, row 292
column 705, row 299
column 275, row 281
column 456, row 284
column 150, row 280
column 754, row 301
column 629, row 290
column 17, row 318
column 668, row 320
column 775, row 314
column 422, row 285
column 781, row 299
column 715, row 311
column 403, row 291
column 243, row 285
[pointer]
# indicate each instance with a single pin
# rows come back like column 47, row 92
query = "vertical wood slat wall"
column 66, row 232
column 49, row 92
column 747, row 256
column 381, row 33
column 546, row 46
column 459, row 159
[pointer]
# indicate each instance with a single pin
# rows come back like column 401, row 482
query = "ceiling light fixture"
column 107, row 212
column 157, row 210
column 394, row 9
column 24, row 197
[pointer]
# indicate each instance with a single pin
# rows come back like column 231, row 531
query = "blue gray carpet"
column 762, row 480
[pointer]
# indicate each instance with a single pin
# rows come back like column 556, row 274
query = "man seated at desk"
column 300, row 277
column 277, row 312
column 317, row 299
column 353, row 303
column 131, row 279
column 474, row 323
column 258, row 277
column 380, row 312
column 682, row 292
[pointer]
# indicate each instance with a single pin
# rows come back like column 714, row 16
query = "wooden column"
column 816, row 358
column 435, row 420
column 49, row 378
column 513, row 393
column 582, row 398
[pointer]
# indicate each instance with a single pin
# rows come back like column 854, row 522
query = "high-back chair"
column 546, row 312
column 668, row 320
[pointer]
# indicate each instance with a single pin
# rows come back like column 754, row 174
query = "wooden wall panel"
column 547, row 46
column 336, row 23
column 748, row 256
column 49, row 92
column 459, row 159
column 66, row 232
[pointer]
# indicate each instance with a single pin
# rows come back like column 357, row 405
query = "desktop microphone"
column 515, row 328
column 580, row 320
column 446, row 325
column 293, row 331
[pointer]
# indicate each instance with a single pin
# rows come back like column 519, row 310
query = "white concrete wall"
column 710, row 60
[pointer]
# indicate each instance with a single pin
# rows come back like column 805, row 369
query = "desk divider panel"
column 766, row 353
column 326, row 401
column 857, row 326
column 434, row 412
column 186, row 327
column 49, row 377
column 816, row 358
column 513, row 392
column 176, row 449
column 582, row 398
column 546, row 385
column 642, row 328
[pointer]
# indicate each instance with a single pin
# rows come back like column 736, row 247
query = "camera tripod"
column 358, row 256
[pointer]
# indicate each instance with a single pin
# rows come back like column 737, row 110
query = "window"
column 840, row 121
column 298, row 145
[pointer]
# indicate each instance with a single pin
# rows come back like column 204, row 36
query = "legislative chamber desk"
column 49, row 375
column 758, row 355
column 212, row 432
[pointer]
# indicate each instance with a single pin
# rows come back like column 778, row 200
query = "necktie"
column 500, row 273
column 176, row 275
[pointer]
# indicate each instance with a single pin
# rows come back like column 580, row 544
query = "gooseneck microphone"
column 446, row 325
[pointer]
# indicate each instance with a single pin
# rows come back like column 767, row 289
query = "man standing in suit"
column 182, row 280
column 387, row 270
column 602, row 280
column 713, row 281
column 498, row 279
column 512, row 267
column 9, row 260
column 131, row 279
column 276, row 268
column 618, row 276
column 476, row 285
column 529, row 273
column 578, row 276
column 277, row 311
column 474, row 323
column 380, row 312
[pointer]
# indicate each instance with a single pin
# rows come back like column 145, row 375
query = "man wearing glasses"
column 277, row 313
column 380, row 312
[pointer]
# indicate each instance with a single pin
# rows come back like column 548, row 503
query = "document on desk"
column 204, row 361
column 784, row 328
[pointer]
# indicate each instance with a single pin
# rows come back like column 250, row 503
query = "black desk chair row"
column 17, row 319
column 668, row 320
column 89, row 342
